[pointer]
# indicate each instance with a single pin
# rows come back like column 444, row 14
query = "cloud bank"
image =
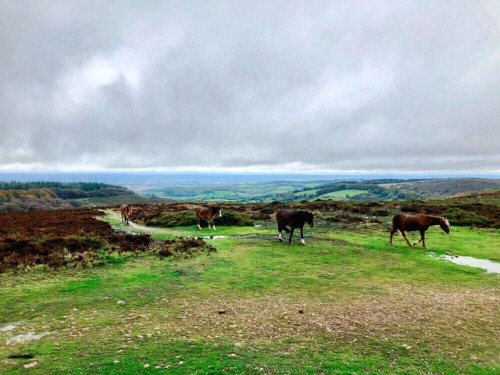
column 250, row 86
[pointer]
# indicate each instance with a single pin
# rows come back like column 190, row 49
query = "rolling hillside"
column 29, row 196
column 291, row 191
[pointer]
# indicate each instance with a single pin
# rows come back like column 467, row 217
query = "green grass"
column 368, row 308
column 342, row 194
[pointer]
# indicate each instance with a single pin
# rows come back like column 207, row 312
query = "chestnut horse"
column 126, row 211
column 294, row 219
column 208, row 213
column 421, row 223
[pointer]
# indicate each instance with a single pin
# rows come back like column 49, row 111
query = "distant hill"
column 25, row 196
column 400, row 189
column 48, row 195
column 353, row 190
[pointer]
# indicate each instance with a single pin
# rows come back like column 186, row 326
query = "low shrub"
column 184, row 219
column 174, row 219
column 233, row 219
column 459, row 217
column 185, row 247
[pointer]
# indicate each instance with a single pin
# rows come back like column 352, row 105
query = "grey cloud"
column 386, row 86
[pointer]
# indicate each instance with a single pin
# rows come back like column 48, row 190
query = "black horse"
column 294, row 219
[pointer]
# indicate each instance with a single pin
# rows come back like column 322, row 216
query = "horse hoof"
column 280, row 239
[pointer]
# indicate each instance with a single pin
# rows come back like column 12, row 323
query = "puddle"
column 485, row 264
column 125, row 231
column 253, row 235
column 30, row 336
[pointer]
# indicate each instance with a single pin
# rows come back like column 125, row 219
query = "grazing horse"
column 294, row 219
column 126, row 211
column 421, row 223
column 208, row 213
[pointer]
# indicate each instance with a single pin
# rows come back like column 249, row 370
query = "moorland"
column 82, row 293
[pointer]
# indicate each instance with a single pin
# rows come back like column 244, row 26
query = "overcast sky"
column 260, row 86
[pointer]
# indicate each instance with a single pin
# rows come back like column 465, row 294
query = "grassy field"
column 342, row 194
column 345, row 303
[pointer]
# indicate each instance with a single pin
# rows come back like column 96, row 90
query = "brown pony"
column 294, row 219
column 421, row 223
column 208, row 213
column 126, row 211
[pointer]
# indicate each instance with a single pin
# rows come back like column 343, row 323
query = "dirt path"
column 138, row 228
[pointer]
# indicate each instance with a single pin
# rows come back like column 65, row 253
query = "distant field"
column 342, row 194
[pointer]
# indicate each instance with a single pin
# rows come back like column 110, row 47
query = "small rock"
column 31, row 364
column 116, row 361
column 120, row 302
column 301, row 311
column 221, row 312
column 146, row 365
column 8, row 328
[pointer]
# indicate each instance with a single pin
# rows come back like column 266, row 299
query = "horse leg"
column 291, row 235
column 420, row 240
column 406, row 238
column 280, row 237
column 422, row 234
column 199, row 222
column 302, row 236
column 392, row 234
column 213, row 224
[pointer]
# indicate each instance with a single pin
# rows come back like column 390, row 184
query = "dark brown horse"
column 421, row 223
column 208, row 213
column 126, row 212
column 293, row 219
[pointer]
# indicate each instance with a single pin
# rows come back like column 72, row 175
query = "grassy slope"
column 342, row 194
column 368, row 308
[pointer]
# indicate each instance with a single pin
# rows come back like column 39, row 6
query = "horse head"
column 217, row 210
column 310, row 220
column 444, row 224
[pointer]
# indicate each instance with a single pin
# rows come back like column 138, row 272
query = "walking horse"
column 419, row 222
column 126, row 212
column 208, row 213
column 293, row 219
